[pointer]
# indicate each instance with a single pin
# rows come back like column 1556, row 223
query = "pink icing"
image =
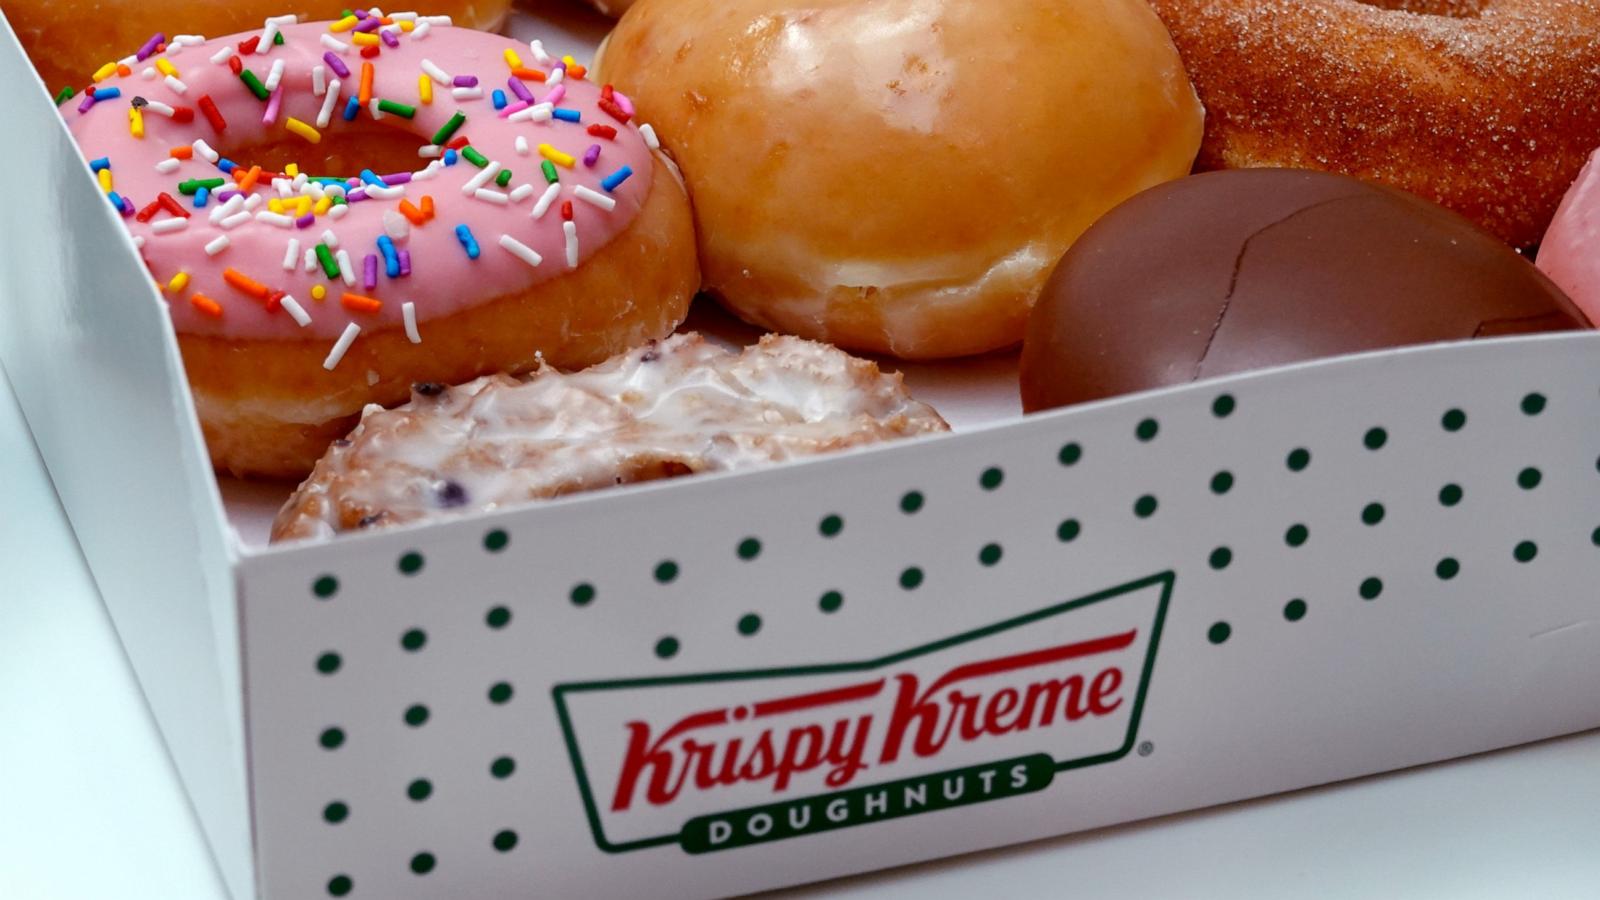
column 443, row 279
column 1570, row 252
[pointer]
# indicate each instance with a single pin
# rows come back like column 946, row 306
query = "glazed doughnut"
column 69, row 39
column 899, row 176
column 298, row 300
column 672, row 408
column 1485, row 106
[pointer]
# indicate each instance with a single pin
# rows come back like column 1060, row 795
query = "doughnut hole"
column 343, row 151
column 1450, row 9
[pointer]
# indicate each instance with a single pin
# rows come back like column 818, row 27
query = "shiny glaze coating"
column 899, row 175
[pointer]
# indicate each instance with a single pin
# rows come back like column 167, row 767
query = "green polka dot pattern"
column 424, row 657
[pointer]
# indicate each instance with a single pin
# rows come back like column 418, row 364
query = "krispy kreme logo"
column 723, row 760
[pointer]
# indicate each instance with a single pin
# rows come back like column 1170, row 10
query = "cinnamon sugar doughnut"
column 671, row 408
column 1488, row 107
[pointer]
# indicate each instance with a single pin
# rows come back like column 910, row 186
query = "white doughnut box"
column 729, row 683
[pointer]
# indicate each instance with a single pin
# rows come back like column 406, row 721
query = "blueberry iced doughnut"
column 670, row 408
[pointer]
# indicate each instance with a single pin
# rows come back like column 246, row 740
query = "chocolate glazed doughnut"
column 1488, row 107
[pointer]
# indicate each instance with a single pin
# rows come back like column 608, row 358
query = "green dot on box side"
column 505, row 841
column 1375, row 438
column 911, row 578
column 500, row 692
column 420, row 789
column 328, row 663
column 1453, row 420
column 1222, row 482
column 1450, row 494
column 910, row 502
column 497, row 617
column 410, row 563
column 502, row 767
column 1145, row 506
column 1147, row 430
column 423, row 863
column 1447, row 568
column 340, row 885
column 1371, row 588
column 413, row 639
column 1372, row 513
column 1533, row 404
column 749, row 548
column 830, row 525
column 1594, row 537
column 1219, row 632
column 749, row 624
column 830, row 601
column 1294, row 610
column 496, row 540
column 990, row 554
column 667, row 647
column 1298, row 459
column 1223, row 406
column 325, row 586
column 1220, row 558
column 1068, row 530
column 335, row 812
column 1070, row 453
column 1529, row 478
column 1525, row 551
column 666, row 571
column 991, row 478
column 1296, row 535
column 416, row 715
column 331, row 738
column 583, row 592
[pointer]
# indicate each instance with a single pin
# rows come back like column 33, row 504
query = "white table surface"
column 90, row 807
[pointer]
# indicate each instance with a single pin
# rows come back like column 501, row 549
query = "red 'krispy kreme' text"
column 932, row 719
column 969, row 702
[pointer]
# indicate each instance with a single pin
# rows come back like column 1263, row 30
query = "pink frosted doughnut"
column 319, row 250
column 1570, row 252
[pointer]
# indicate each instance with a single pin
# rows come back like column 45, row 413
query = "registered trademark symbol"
column 1146, row 748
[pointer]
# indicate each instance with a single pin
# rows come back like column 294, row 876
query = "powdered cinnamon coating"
column 1488, row 107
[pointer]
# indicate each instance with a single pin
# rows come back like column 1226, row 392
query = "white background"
column 90, row 807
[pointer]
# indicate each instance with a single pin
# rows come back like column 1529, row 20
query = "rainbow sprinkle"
column 347, row 85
